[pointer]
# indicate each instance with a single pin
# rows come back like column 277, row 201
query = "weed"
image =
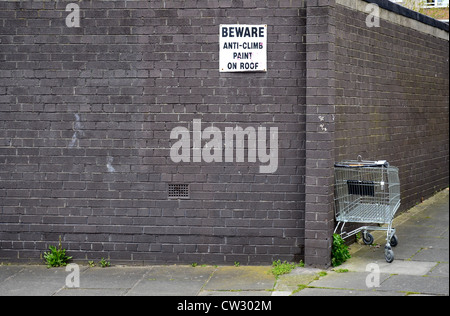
column 103, row 263
column 358, row 237
column 339, row 251
column 236, row 264
column 280, row 268
column 300, row 287
column 56, row 257
column 340, row 270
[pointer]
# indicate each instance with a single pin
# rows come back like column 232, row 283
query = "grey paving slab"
column 299, row 276
column 172, row 281
column 35, row 281
column 241, row 278
column 7, row 271
column 235, row 293
column 441, row 269
column 404, row 252
column 343, row 292
column 432, row 254
column 111, row 277
column 376, row 252
column 417, row 284
column 347, row 280
column 91, row 292
column 418, row 242
column 405, row 267
column 419, row 235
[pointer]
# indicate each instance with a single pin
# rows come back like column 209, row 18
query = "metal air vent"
column 178, row 191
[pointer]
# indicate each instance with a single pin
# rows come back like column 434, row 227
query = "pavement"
column 421, row 267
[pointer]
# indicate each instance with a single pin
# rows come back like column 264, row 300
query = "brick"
column 153, row 70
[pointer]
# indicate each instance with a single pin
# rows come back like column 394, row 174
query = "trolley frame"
column 367, row 192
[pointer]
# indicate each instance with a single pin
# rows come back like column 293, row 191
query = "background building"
column 87, row 114
column 437, row 9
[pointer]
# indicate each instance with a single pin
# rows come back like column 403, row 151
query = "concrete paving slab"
column 404, row 252
column 418, row 242
column 419, row 234
column 299, row 276
column 441, row 269
column 34, row 281
column 7, row 271
column 172, row 281
column 241, row 278
column 90, row 292
column 347, row 280
column 360, row 264
column 375, row 251
column 343, row 292
column 305, row 271
column 281, row 293
column 291, row 282
column 236, row 293
column 112, row 277
column 432, row 254
column 417, row 284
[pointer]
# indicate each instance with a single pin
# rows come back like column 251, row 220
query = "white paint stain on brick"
column 322, row 126
column 109, row 161
column 77, row 127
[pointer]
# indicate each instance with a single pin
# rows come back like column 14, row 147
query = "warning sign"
column 243, row 47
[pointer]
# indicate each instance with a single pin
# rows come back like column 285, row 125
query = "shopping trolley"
column 367, row 192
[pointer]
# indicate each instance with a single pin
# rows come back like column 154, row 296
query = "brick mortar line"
column 392, row 17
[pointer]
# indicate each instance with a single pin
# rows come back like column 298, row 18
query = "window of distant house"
column 436, row 3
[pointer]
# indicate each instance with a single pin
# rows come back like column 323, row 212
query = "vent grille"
column 178, row 191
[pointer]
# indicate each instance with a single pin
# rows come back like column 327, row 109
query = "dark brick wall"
column 320, row 98
column 85, row 121
column 392, row 101
column 86, row 116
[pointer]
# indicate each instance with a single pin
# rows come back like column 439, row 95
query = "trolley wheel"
column 394, row 240
column 388, row 254
column 368, row 238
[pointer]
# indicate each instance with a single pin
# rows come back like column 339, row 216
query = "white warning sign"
column 243, row 48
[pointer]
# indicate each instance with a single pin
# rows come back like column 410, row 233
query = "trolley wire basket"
column 367, row 192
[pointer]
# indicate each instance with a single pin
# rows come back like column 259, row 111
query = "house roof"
column 396, row 8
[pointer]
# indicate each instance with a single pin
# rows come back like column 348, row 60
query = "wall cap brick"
column 400, row 15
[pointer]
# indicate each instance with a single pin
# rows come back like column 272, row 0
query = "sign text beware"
column 243, row 47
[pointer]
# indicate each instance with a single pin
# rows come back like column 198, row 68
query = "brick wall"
column 320, row 99
column 392, row 99
column 87, row 113
column 86, row 117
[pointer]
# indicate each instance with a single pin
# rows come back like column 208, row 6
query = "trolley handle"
column 362, row 164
